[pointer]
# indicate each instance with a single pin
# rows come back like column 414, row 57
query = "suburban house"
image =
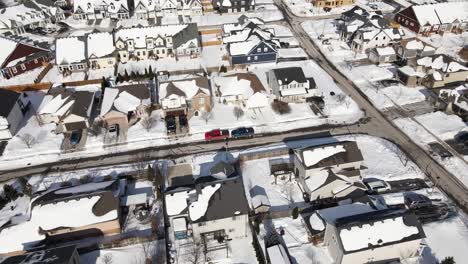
column 141, row 43
column 17, row 19
column 188, row 97
column 17, row 58
column 65, row 214
column 351, row 20
column 331, row 3
column 100, row 50
column 363, row 235
column 69, row 110
column 410, row 49
column 455, row 101
column 435, row 18
column 253, row 50
column 213, row 209
column 12, row 111
column 433, row 72
column 330, row 170
column 150, row 9
column 123, row 106
column 237, row 88
column 243, row 22
column 233, row 6
column 382, row 55
column 290, row 84
column 100, row 9
column 58, row 255
column 70, row 54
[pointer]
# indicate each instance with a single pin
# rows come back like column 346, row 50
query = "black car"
column 243, row 132
column 171, row 124
column 183, row 121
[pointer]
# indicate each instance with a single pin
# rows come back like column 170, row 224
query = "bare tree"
column 28, row 139
column 288, row 190
column 141, row 161
column 148, row 122
column 206, row 116
column 96, row 128
column 238, row 112
column 401, row 155
column 107, row 259
column 194, row 253
column 310, row 253
column 149, row 251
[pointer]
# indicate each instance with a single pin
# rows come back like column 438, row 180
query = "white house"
column 238, row 88
column 329, row 170
column 100, row 9
column 101, row 50
column 12, row 110
column 366, row 38
column 70, row 54
column 290, row 84
column 360, row 235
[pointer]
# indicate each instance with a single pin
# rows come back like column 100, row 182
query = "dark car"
column 75, row 137
column 243, row 132
column 171, row 124
column 183, row 121
column 416, row 200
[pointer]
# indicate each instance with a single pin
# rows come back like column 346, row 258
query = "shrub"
column 10, row 193
column 281, row 107
column 448, row 260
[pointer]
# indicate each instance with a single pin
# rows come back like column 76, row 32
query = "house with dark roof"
column 370, row 236
column 122, row 107
column 69, row 110
column 330, row 170
column 17, row 58
column 290, row 84
column 185, row 97
column 12, row 111
column 233, row 6
column 213, row 209
column 58, row 255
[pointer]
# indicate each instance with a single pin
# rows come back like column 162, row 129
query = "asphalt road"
column 383, row 126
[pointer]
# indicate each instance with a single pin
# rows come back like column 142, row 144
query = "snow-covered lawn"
column 54, row 76
column 99, row 73
column 124, row 255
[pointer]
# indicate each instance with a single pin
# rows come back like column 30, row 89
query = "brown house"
column 17, row 58
column 186, row 97
column 332, row 3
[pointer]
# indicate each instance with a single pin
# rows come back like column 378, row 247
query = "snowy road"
column 383, row 127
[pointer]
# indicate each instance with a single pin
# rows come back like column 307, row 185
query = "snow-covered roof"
column 257, row 100
column 18, row 15
column 278, row 255
column 330, row 215
column 313, row 156
column 229, row 86
column 198, row 209
column 8, row 46
column 69, row 50
column 88, row 6
column 415, row 45
column 189, row 88
column 125, row 98
column 100, row 44
column 293, row 91
column 409, row 71
column 140, row 34
column 179, row 224
column 88, row 187
column 134, row 199
column 70, row 213
column 316, row 222
column 375, row 234
column 442, row 63
column 316, row 180
column 176, row 202
column 244, row 47
column 440, row 13
column 387, row 51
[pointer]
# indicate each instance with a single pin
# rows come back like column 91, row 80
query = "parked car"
column 376, row 185
column 416, row 200
column 216, row 134
column 171, row 126
column 242, row 132
column 75, row 137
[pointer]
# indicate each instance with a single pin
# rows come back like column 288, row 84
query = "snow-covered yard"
column 25, row 78
column 54, row 76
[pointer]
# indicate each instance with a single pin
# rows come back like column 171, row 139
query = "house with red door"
column 435, row 18
column 17, row 58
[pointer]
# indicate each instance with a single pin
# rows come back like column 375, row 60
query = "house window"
column 138, row 53
column 14, row 70
column 23, row 67
column 202, row 224
column 259, row 49
column 201, row 100
column 157, row 52
column 36, row 61
column 110, row 61
column 144, row 53
column 80, row 66
column 265, row 49
column 248, row 58
column 256, row 58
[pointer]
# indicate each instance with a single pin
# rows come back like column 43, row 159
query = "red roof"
column 21, row 51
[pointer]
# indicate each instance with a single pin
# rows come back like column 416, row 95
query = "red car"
column 216, row 134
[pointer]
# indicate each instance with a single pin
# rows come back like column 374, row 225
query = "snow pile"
column 314, row 156
column 198, row 209
column 380, row 232
column 316, row 223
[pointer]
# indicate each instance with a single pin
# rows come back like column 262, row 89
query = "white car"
column 377, row 185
